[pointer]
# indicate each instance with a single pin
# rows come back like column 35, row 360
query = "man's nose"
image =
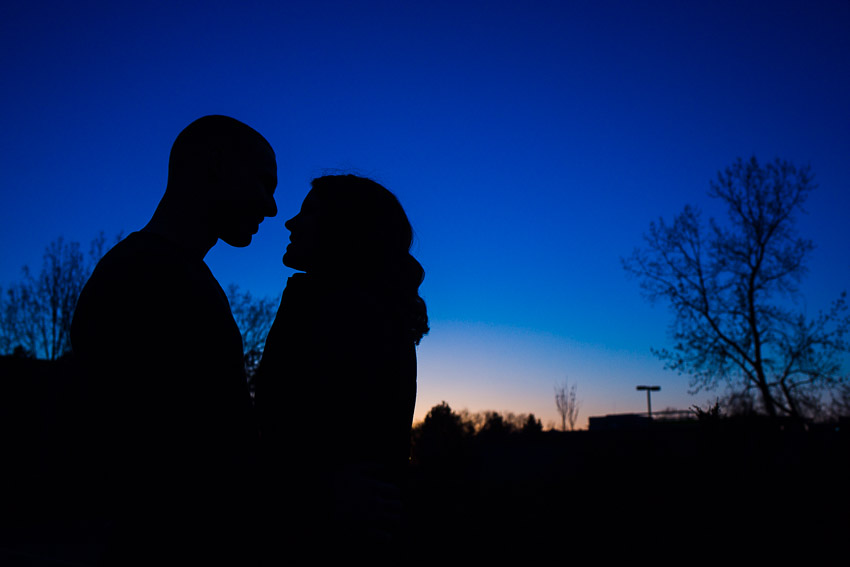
column 271, row 207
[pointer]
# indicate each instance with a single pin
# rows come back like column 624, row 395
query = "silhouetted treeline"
column 444, row 435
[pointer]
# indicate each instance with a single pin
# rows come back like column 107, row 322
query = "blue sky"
column 531, row 144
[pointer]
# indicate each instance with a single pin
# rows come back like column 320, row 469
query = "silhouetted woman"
column 336, row 387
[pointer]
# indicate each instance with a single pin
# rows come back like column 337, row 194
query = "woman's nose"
column 290, row 223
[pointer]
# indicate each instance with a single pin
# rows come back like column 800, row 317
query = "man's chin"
column 240, row 241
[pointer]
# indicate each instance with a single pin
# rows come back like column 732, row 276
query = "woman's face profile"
column 304, row 235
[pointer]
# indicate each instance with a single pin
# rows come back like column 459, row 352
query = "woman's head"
column 347, row 221
column 350, row 226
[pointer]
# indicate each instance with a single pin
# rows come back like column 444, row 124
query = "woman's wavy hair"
column 366, row 212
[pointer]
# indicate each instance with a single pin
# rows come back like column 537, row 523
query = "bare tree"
column 732, row 287
column 36, row 312
column 567, row 404
column 254, row 317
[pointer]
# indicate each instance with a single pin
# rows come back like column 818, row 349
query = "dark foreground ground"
column 734, row 487
column 716, row 490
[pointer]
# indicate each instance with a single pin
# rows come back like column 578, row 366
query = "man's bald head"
column 221, row 180
column 213, row 140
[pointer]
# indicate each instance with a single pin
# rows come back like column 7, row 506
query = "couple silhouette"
column 190, row 470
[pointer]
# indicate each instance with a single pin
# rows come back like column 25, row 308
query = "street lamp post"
column 648, row 401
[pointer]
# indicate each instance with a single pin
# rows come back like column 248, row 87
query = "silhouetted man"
column 155, row 334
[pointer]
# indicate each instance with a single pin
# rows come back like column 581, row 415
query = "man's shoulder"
column 136, row 267
column 139, row 246
column 139, row 256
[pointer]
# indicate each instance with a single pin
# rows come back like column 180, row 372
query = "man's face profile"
column 245, row 188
